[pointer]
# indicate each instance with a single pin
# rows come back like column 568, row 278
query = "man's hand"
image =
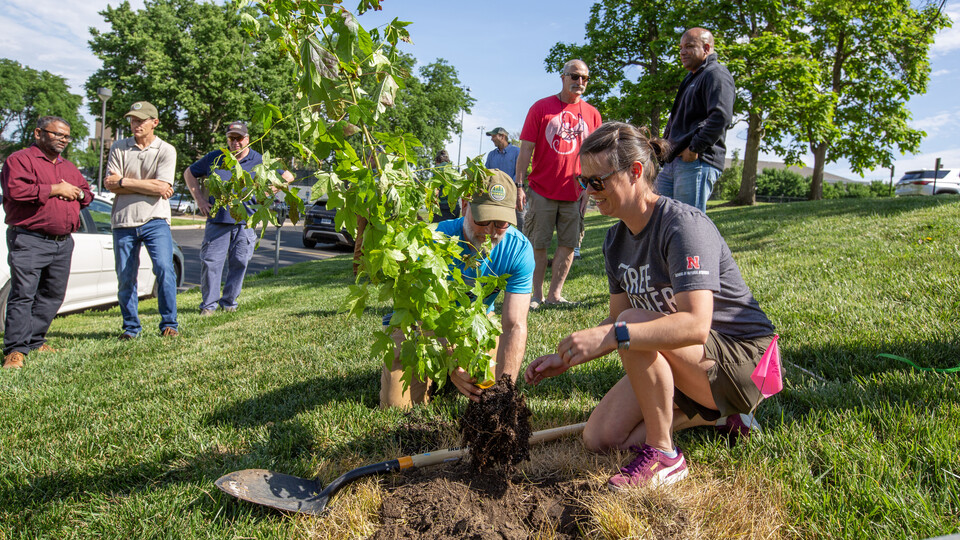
column 203, row 205
column 521, row 199
column 466, row 384
column 112, row 182
column 65, row 191
column 689, row 155
column 167, row 192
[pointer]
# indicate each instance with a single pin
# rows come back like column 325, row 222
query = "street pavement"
column 291, row 250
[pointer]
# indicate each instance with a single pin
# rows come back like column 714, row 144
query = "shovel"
column 295, row 494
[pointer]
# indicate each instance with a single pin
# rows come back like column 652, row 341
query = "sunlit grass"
column 123, row 440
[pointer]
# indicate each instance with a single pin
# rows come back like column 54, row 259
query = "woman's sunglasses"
column 597, row 182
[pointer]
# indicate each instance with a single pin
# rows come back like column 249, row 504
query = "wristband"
column 623, row 336
column 120, row 182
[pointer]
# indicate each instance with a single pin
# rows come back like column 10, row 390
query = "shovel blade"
column 276, row 490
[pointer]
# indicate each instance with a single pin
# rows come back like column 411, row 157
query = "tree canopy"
column 27, row 94
column 197, row 65
column 831, row 76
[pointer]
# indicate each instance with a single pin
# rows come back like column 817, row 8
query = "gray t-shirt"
column 157, row 161
column 681, row 250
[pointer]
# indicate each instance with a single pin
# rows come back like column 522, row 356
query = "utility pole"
column 104, row 94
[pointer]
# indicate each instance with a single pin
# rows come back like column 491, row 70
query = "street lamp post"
column 460, row 146
column 104, row 94
column 481, row 140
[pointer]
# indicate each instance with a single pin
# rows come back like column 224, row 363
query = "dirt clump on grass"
column 497, row 428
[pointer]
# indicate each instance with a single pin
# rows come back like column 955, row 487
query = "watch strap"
column 623, row 335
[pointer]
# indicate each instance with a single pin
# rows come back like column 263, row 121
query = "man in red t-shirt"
column 552, row 133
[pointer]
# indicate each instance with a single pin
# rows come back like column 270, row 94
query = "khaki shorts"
column 733, row 390
column 544, row 215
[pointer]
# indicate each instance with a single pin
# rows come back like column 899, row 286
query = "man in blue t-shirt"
column 223, row 238
column 492, row 213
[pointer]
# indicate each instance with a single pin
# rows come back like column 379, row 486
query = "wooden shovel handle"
column 454, row 454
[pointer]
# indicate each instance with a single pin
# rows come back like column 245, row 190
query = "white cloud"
column 948, row 39
column 940, row 72
column 935, row 124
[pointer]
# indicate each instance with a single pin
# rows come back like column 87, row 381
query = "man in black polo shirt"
column 42, row 197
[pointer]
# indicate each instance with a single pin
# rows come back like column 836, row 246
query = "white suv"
column 921, row 182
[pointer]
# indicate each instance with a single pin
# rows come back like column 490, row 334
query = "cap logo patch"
column 498, row 192
column 137, row 106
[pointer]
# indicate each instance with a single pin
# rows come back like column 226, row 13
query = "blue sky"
column 498, row 49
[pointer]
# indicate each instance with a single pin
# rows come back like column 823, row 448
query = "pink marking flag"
column 768, row 376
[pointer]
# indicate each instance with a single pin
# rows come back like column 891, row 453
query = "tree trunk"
column 748, row 180
column 816, row 181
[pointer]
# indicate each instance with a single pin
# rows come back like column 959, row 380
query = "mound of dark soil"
column 497, row 429
column 454, row 502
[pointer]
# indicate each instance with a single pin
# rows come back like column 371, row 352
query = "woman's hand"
column 546, row 366
column 585, row 345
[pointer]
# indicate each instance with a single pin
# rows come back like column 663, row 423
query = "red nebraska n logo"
column 693, row 263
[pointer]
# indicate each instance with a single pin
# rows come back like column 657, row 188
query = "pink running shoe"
column 650, row 468
column 738, row 425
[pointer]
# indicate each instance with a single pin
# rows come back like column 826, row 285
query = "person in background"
column 224, row 239
column 698, row 123
column 552, row 133
column 42, row 198
column 504, row 158
column 140, row 173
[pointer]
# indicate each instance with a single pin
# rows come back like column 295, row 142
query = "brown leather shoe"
column 13, row 360
column 169, row 332
column 45, row 348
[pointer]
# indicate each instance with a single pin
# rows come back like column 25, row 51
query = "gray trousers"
column 224, row 243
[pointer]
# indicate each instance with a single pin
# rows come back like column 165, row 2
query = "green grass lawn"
column 121, row 440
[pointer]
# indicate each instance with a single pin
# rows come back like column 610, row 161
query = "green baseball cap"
column 142, row 110
column 497, row 201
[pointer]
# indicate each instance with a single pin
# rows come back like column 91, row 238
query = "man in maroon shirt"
column 42, row 197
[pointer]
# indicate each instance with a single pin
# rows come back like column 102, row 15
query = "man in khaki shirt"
column 141, row 171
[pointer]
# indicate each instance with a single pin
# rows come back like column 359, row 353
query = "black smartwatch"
column 623, row 336
column 120, row 182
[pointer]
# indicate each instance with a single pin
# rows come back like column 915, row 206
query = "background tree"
column 27, row 94
column 765, row 49
column 631, row 50
column 872, row 55
column 196, row 64
column 429, row 107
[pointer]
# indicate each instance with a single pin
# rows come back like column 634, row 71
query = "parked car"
column 318, row 224
column 183, row 204
column 93, row 278
column 921, row 182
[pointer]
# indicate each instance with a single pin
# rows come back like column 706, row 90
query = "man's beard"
column 477, row 239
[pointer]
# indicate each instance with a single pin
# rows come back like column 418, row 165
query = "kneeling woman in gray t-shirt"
column 688, row 331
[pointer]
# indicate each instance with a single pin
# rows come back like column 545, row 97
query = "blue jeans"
column 230, row 243
column 689, row 183
column 155, row 236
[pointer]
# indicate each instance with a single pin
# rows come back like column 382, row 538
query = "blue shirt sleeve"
column 204, row 165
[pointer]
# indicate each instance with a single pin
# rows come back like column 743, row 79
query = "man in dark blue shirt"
column 698, row 123
column 223, row 238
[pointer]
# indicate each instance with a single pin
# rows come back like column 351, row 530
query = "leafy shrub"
column 728, row 185
column 782, row 183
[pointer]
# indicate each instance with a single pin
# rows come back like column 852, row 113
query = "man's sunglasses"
column 496, row 223
column 597, row 182
column 578, row 77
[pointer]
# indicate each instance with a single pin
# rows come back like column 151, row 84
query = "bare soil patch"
column 455, row 502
